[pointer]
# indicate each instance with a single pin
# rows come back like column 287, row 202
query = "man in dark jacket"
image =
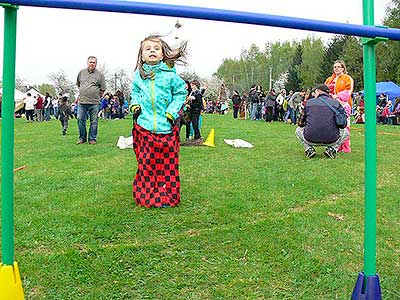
column 317, row 126
column 235, row 103
column 196, row 106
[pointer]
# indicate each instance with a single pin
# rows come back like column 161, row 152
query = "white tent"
column 34, row 93
column 18, row 98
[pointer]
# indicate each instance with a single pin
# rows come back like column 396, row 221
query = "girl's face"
column 152, row 52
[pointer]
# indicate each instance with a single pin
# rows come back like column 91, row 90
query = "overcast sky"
column 52, row 39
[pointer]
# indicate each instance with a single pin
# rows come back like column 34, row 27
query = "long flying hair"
column 171, row 56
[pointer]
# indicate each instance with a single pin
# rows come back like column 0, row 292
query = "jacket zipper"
column 153, row 105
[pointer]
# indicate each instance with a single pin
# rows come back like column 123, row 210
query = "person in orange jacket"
column 340, row 81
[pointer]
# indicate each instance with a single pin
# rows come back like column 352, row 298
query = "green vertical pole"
column 368, row 284
column 370, row 145
column 7, row 142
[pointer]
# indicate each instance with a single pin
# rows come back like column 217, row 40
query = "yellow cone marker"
column 210, row 139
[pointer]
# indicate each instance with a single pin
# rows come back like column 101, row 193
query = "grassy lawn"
column 261, row 223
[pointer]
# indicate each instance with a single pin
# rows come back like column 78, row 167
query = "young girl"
column 157, row 95
column 344, row 98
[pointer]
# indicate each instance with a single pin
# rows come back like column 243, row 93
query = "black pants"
column 187, row 130
column 268, row 113
column 194, row 117
column 121, row 112
column 235, row 111
column 29, row 114
column 280, row 112
column 64, row 123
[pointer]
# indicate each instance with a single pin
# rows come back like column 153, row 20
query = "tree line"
column 303, row 64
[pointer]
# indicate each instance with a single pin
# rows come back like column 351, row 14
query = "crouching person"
column 317, row 125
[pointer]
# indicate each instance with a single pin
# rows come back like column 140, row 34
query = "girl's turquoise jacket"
column 158, row 96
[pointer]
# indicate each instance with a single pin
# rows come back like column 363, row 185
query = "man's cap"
column 322, row 87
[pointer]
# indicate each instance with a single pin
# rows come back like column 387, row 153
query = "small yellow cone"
column 10, row 283
column 210, row 139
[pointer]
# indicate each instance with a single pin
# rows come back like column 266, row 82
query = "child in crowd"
column 158, row 93
column 103, row 105
column 386, row 112
column 344, row 98
column 359, row 117
column 65, row 112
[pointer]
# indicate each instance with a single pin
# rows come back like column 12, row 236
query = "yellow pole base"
column 10, row 283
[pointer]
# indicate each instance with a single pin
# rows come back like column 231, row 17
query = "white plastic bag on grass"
column 125, row 142
column 238, row 143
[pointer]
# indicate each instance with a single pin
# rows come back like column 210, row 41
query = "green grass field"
column 261, row 223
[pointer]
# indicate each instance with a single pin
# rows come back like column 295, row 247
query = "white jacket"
column 30, row 103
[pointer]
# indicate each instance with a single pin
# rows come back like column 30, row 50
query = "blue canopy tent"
column 389, row 88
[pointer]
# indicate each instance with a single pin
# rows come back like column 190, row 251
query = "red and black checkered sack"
column 156, row 182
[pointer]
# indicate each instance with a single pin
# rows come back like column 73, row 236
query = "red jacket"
column 39, row 103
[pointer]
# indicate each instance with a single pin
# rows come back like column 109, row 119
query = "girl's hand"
column 170, row 119
column 136, row 110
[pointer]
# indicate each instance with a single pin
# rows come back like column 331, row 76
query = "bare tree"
column 213, row 85
column 119, row 80
column 122, row 81
column 21, row 85
column 62, row 84
column 281, row 81
column 103, row 69
column 189, row 76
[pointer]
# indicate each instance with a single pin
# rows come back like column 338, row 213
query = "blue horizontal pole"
column 215, row 15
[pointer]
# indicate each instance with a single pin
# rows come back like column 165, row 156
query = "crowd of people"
column 294, row 108
column 113, row 106
column 216, row 107
column 286, row 107
column 161, row 103
column 387, row 112
column 38, row 108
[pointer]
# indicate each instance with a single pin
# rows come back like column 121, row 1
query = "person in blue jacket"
column 158, row 94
